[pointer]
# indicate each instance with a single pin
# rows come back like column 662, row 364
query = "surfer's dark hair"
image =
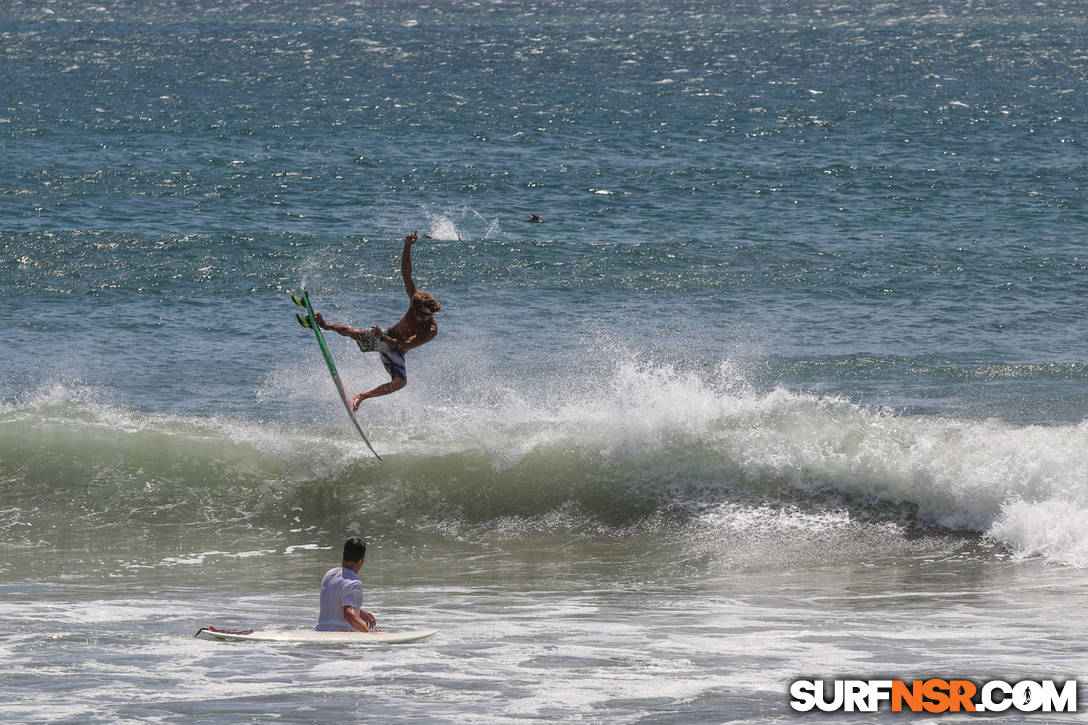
column 354, row 549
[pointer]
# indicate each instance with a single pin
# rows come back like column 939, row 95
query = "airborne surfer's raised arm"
column 406, row 263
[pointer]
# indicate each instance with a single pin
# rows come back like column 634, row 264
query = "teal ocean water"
column 790, row 381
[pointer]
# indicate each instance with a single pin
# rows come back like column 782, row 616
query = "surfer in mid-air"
column 416, row 328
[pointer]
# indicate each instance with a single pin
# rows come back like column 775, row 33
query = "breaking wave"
column 655, row 440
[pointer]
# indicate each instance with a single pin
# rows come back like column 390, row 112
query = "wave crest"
column 652, row 439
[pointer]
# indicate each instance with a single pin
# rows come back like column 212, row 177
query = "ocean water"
column 790, row 383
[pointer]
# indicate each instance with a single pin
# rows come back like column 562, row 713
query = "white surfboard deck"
column 309, row 635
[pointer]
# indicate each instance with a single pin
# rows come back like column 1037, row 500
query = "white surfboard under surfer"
column 417, row 327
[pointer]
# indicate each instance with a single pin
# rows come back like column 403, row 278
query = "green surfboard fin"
column 304, row 321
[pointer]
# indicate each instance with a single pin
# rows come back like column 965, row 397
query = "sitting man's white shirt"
column 340, row 588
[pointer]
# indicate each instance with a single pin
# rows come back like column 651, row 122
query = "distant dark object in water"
column 535, row 219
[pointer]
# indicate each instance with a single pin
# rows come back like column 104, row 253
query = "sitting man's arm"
column 359, row 618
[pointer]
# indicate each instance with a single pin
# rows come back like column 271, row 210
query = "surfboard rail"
column 312, row 636
column 304, row 302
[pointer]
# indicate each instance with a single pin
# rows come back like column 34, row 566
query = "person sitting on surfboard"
column 342, row 593
column 416, row 328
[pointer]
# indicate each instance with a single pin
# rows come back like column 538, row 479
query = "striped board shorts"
column 392, row 359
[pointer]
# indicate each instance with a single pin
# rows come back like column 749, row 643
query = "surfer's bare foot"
column 357, row 401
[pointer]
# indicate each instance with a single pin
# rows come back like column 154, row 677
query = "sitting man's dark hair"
column 354, row 549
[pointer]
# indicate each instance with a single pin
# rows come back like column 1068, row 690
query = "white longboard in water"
column 309, row 635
